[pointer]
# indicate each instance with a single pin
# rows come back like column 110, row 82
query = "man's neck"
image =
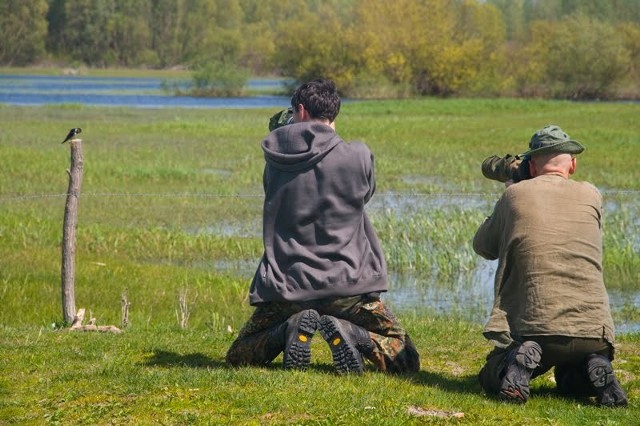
column 556, row 173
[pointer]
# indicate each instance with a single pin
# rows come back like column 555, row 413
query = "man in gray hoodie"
column 322, row 268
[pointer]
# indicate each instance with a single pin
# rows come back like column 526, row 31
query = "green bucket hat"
column 552, row 139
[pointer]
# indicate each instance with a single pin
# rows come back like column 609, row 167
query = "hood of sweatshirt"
column 299, row 146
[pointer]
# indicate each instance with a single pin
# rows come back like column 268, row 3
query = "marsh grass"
column 171, row 204
column 412, row 241
column 622, row 242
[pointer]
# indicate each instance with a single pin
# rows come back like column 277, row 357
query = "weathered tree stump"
column 69, row 232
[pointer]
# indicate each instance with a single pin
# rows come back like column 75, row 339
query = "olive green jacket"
column 546, row 233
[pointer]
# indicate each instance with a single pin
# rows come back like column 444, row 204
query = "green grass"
column 171, row 202
column 98, row 72
column 165, row 375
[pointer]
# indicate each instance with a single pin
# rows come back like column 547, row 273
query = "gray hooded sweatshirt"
column 318, row 241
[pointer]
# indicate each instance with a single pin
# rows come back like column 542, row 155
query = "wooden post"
column 69, row 232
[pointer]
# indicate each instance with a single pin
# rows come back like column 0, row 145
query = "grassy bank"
column 165, row 375
column 98, row 72
column 170, row 207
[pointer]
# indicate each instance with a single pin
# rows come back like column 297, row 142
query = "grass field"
column 170, row 207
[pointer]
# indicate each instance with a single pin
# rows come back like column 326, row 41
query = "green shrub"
column 215, row 78
column 576, row 58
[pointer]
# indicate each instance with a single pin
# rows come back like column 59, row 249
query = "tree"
column 481, row 28
column 386, row 36
column 132, row 33
column 576, row 58
column 438, row 47
column 23, row 26
column 56, row 19
column 88, row 31
column 309, row 46
column 166, row 20
column 586, row 59
column 630, row 32
column 513, row 15
column 260, row 20
column 213, row 32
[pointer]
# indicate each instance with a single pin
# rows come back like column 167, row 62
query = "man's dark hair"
column 319, row 97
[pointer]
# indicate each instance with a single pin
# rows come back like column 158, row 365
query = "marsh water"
column 469, row 295
column 466, row 296
column 118, row 91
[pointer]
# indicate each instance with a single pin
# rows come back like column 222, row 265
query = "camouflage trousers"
column 259, row 341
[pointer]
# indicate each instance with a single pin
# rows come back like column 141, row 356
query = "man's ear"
column 532, row 168
column 303, row 114
column 574, row 163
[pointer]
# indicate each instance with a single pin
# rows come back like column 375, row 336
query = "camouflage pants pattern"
column 259, row 343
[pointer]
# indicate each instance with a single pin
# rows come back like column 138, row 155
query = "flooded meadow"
column 181, row 188
column 432, row 267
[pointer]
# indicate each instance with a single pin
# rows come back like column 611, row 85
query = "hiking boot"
column 347, row 342
column 520, row 363
column 300, row 330
column 608, row 390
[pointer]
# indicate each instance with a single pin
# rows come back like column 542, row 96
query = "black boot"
column 608, row 391
column 520, row 363
column 275, row 342
column 300, row 330
column 347, row 342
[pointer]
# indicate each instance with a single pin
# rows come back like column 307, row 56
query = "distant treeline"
column 577, row 49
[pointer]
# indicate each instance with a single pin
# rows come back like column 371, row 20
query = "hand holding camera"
column 281, row 118
column 507, row 168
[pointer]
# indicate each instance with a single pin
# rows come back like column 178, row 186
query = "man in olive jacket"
column 551, row 307
column 322, row 268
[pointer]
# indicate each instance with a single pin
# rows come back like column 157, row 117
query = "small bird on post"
column 72, row 133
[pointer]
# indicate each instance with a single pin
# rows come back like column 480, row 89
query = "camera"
column 281, row 118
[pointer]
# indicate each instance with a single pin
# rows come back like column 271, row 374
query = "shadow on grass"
column 168, row 359
column 547, row 391
column 161, row 358
column 321, row 368
column 470, row 385
column 463, row 384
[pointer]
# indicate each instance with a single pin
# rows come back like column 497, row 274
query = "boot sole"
column 515, row 384
column 608, row 390
column 297, row 355
column 346, row 357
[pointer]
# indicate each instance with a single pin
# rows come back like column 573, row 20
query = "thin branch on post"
column 69, row 232
column 91, row 326
column 125, row 305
